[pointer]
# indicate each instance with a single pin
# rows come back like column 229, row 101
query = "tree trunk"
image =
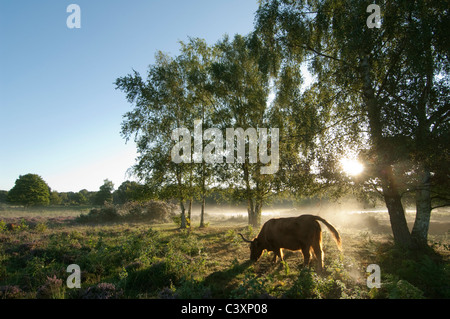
column 393, row 200
column 399, row 227
column 181, row 198
column 202, row 214
column 250, row 211
column 423, row 192
column 256, row 221
column 183, row 214
column 391, row 193
column 423, row 210
column 188, row 221
column 254, row 216
column 253, row 205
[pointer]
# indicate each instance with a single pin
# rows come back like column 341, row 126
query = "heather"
column 142, row 258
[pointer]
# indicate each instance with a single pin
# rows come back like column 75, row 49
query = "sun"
column 351, row 166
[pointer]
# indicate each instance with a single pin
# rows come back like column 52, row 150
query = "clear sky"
column 60, row 115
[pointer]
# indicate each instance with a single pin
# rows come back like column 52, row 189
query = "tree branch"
column 439, row 206
column 308, row 48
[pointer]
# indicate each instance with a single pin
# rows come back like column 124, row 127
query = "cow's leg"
column 306, row 255
column 317, row 246
column 275, row 255
column 278, row 253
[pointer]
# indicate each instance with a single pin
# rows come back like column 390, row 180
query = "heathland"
column 143, row 258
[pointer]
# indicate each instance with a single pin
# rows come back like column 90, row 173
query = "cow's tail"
column 333, row 231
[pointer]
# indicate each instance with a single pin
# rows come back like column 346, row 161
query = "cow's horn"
column 246, row 240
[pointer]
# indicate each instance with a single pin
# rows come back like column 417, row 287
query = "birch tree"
column 394, row 81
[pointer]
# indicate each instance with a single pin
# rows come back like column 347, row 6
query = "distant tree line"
column 31, row 190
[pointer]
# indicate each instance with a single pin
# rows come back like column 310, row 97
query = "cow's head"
column 256, row 248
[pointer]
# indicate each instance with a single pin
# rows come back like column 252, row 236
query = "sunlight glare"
column 351, row 166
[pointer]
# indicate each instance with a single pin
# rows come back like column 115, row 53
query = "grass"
column 143, row 260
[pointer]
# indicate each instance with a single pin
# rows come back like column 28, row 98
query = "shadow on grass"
column 222, row 283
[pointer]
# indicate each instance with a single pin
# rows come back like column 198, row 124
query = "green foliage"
column 23, row 226
column 135, row 261
column 2, row 226
column 225, row 85
column 14, row 227
column 109, row 213
column 393, row 288
column 38, row 269
column 3, row 196
column 104, row 195
column 253, row 287
column 130, row 191
column 83, row 197
column 178, row 262
column 55, row 199
column 151, row 211
column 102, row 291
column 187, row 289
column 166, row 95
column 310, row 285
column 381, row 94
column 177, row 220
column 11, row 292
column 52, row 289
column 421, row 269
column 40, row 227
column 30, row 190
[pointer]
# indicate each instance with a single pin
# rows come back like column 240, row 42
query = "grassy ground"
column 142, row 260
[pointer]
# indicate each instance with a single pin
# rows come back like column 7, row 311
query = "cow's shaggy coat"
column 293, row 233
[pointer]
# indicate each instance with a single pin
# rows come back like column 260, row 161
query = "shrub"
column 157, row 276
column 404, row 290
column 310, row 285
column 41, row 227
column 306, row 286
column 393, row 288
column 187, row 289
column 102, row 291
column 2, row 226
column 253, row 287
column 105, row 214
column 176, row 219
column 51, row 289
column 11, row 292
column 420, row 268
column 154, row 211
column 38, row 269
column 23, row 226
column 168, row 293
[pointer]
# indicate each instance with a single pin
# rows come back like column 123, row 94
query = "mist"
column 348, row 216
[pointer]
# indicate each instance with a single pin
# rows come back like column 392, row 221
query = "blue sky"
column 60, row 114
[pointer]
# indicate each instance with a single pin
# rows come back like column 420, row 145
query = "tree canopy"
column 105, row 193
column 379, row 95
column 30, row 190
column 386, row 89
